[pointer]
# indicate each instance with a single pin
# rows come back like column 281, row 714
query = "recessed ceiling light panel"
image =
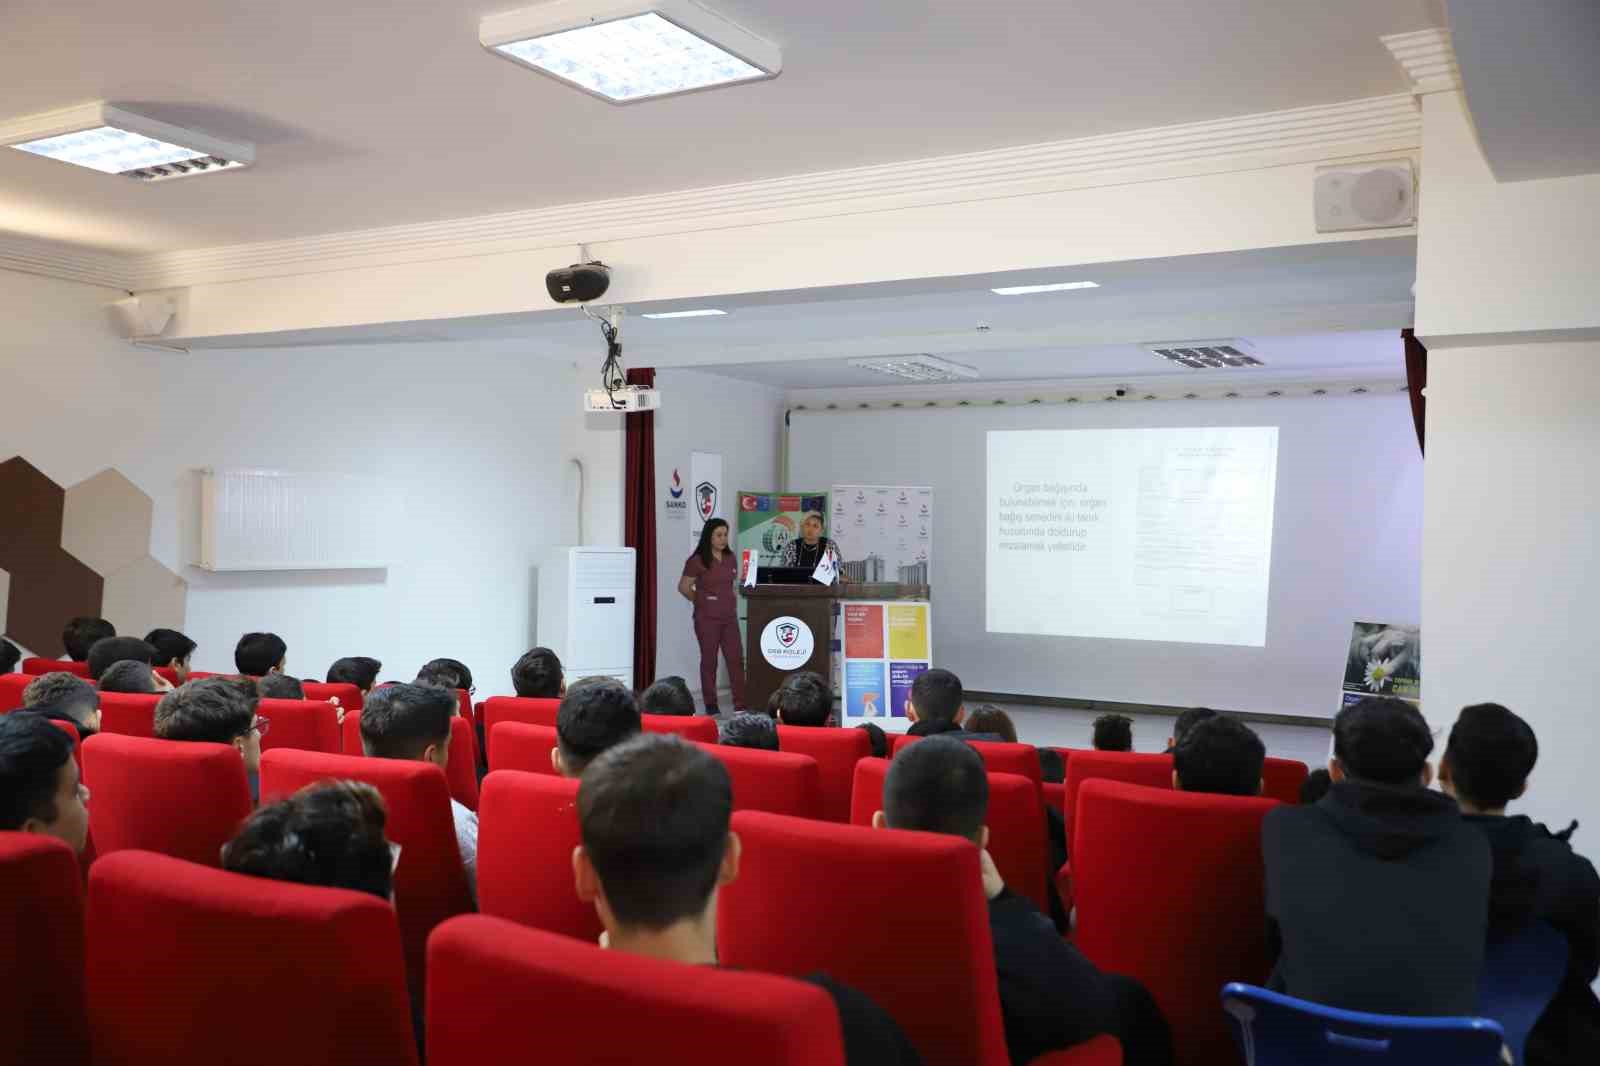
column 926, row 369
column 1232, row 354
column 624, row 51
column 700, row 312
column 113, row 141
column 1029, row 290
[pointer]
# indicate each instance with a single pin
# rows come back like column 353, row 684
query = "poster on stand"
column 884, row 646
column 1384, row 659
column 884, row 532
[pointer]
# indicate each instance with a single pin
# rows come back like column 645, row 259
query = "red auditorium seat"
column 187, row 964
column 77, row 749
column 501, row 987
column 874, row 895
column 516, row 709
column 998, row 757
column 11, row 689
column 461, row 770
column 1101, row 1051
column 689, row 727
column 837, row 751
column 1138, row 768
column 352, row 733
column 772, row 781
column 50, row 666
column 1281, row 779
column 348, row 695
column 1017, row 841
column 526, row 832
column 1169, row 891
column 41, row 957
column 129, row 714
column 309, row 725
column 180, row 798
column 520, row 746
column 430, row 884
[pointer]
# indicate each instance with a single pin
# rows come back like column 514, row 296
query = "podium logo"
column 787, row 643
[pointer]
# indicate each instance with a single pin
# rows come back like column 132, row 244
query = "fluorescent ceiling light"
column 114, row 141
column 1028, row 290
column 703, row 312
column 629, row 50
column 922, row 368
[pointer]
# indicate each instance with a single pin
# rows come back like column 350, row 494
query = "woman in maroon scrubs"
column 709, row 579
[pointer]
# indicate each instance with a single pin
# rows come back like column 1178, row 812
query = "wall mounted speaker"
column 142, row 316
column 1365, row 196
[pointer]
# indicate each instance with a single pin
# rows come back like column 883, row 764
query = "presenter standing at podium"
column 812, row 547
column 709, row 577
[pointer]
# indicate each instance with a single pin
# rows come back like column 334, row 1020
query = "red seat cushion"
column 268, row 972
column 179, row 798
column 774, row 781
column 348, row 695
column 1281, row 779
column 50, row 666
column 1138, row 768
column 309, row 725
column 516, row 709
column 837, row 751
column 130, row 714
column 41, row 955
column 502, row 989
column 1169, row 890
column 900, row 916
column 11, row 688
column 527, row 830
column 520, row 746
column 689, row 727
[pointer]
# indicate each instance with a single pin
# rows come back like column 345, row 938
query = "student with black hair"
column 330, row 833
column 412, row 722
column 446, row 673
column 538, row 675
column 805, row 699
column 668, row 695
column 358, row 670
column 81, row 633
column 216, row 710
column 1113, row 732
column 10, row 656
column 746, row 730
column 39, row 787
column 989, row 719
column 131, row 675
column 1051, row 996
column 1315, row 786
column 597, row 713
column 653, row 817
column 936, row 703
column 877, row 738
column 260, row 654
column 115, row 650
column 1537, row 876
column 1220, row 755
column 1052, row 767
column 280, row 686
column 1378, row 895
column 67, row 698
column 173, row 649
column 1187, row 721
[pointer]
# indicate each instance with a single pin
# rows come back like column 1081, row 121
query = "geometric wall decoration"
column 84, row 550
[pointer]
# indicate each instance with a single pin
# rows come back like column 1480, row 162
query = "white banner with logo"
column 884, row 532
column 704, row 491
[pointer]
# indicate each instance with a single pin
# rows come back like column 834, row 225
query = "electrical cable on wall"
column 612, row 378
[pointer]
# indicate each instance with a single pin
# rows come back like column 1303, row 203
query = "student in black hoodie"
column 1537, row 876
column 1378, row 895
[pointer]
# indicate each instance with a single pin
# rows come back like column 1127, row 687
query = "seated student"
column 746, row 730
column 357, row 670
column 1537, row 876
column 412, row 722
column 115, row 650
column 1113, row 732
column 279, row 686
column 878, row 738
column 66, row 697
column 538, row 676
column 329, row 833
column 39, row 787
column 653, row 816
column 216, row 710
column 805, row 699
column 172, row 649
column 1187, row 721
column 1052, row 767
column 1220, row 755
column 1378, row 896
column 446, row 673
column 130, row 675
column 260, row 654
column 991, row 719
column 669, row 695
column 1051, row 997
column 10, row 656
column 81, row 633
column 936, row 704
column 1315, row 786
column 596, row 713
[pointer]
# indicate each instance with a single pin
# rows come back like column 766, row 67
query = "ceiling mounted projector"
column 578, row 283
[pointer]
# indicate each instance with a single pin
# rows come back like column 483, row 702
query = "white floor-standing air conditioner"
column 586, row 611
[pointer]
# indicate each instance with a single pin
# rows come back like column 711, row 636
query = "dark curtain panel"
column 1416, row 379
column 639, row 529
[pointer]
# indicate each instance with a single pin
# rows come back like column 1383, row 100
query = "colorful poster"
column 705, row 492
column 901, row 678
column 884, row 532
column 770, row 520
column 908, row 631
column 863, row 630
column 865, row 691
column 1384, row 659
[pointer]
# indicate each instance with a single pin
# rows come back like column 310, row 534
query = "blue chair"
column 1279, row 1030
column 1520, row 976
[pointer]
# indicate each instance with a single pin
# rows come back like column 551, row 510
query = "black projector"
column 578, row 283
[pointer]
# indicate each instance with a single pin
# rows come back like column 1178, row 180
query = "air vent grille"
column 1206, row 355
column 921, row 368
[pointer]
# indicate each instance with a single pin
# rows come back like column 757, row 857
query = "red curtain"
column 1416, row 379
column 639, row 529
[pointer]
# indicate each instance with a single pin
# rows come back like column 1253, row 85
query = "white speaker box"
column 143, row 316
column 1365, row 196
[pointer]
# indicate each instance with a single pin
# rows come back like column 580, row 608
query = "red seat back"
column 77, row 749
column 516, row 709
column 1281, row 779
column 998, row 757
column 1168, row 887
column 520, row 746
column 41, row 955
column 129, row 714
column 500, row 986
column 461, row 771
column 528, row 827
column 837, row 751
column 925, row 881
column 50, row 666
column 1055, row 795
column 689, row 727
column 430, row 883
column 348, row 695
column 309, row 725
column 774, row 781
column 315, row 968
column 11, row 688
column 1137, row 768
column 1017, row 841
column 180, row 798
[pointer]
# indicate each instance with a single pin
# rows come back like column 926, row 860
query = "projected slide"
column 1131, row 534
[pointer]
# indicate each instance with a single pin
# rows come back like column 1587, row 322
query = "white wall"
column 709, row 413
column 474, row 443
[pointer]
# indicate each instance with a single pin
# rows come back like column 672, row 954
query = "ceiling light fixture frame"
column 83, row 117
